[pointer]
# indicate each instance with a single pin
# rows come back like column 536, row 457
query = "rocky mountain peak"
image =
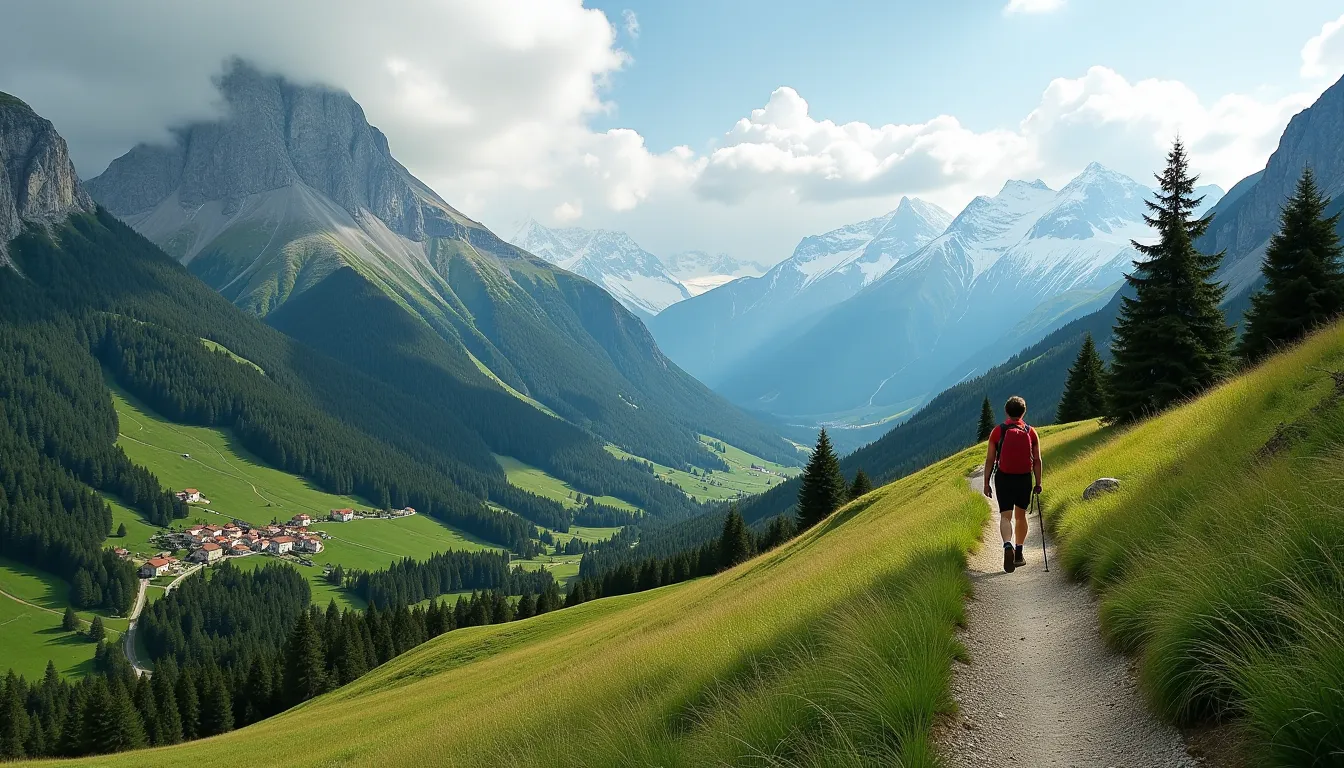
column 276, row 134
column 38, row 183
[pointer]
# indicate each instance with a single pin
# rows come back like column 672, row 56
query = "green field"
column 706, row 672
column 217, row 347
column 740, row 481
column 239, row 486
column 30, row 623
column 534, row 480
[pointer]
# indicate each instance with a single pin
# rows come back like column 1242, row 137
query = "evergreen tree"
column 304, row 666
column 861, row 485
column 823, row 488
column 96, row 630
column 121, row 531
column 1171, row 340
column 169, row 729
column 14, row 721
column 148, row 708
column 986, row 424
column 69, row 622
column 216, row 703
column 189, row 705
column 735, row 543
column 1304, row 282
column 1085, row 389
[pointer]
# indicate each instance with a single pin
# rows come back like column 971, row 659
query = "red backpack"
column 1013, row 455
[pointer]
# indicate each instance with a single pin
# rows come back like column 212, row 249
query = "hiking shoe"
column 1018, row 559
column 1009, row 559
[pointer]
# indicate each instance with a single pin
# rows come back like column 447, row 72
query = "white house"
column 282, row 544
column 208, row 553
column 155, row 566
column 190, row 495
column 342, row 515
column 301, row 520
column 309, row 544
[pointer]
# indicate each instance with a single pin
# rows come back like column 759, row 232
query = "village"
column 206, row 544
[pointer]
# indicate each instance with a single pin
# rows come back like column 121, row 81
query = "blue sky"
column 736, row 126
column 696, row 63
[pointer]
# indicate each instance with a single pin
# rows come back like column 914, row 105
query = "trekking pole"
column 1040, row 515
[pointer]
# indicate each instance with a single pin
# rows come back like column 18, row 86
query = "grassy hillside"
column 837, row 643
column 534, row 480
column 1220, row 561
column 738, row 481
column 239, row 486
column 30, row 623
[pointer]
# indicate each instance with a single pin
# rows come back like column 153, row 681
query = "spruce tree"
column 861, row 485
column 69, row 622
column 823, row 488
column 986, row 424
column 216, row 703
column 1304, row 283
column 304, row 666
column 1085, row 389
column 735, row 542
column 121, row 531
column 189, row 704
column 169, row 729
column 96, row 630
column 1171, row 340
column 14, row 724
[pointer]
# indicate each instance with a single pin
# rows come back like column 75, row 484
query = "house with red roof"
column 156, row 566
column 282, row 544
column 208, row 553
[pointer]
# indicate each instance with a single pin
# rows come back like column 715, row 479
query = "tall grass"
column 1220, row 562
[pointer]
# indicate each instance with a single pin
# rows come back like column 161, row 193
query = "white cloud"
column 499, row 121
column 1032, row 6
column 631, row 23
column 1323, row 55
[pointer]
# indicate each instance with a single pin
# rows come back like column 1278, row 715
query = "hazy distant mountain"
column 709, row 334
column 611, row 259
column 1008, row 270
column 293, row 191
column 700, row 271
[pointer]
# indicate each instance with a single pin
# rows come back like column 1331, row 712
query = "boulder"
column 1100, row 486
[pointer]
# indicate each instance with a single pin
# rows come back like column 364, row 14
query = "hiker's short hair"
column 1015, row 407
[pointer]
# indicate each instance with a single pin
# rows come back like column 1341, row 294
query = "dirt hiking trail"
column 1042, row 688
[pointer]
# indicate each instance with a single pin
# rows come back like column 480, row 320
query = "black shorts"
column 1013, row 490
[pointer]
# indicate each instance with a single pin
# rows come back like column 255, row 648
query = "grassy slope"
column 239, row 486
column 1221, row 561
column 32, row 635
column 538, row 481
column 857, row 611
column 738, row 482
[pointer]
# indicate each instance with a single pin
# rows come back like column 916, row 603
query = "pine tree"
column 986, row 424
column 96, row 630
column 14, row 723
column 735, row 543
column 189, row 704
column 823, row 488
column 304, row 666
column 216, row 703
column 1171, row 340
column 861, row 485
column 148, row 708
column 1085, row 389
column 121, row 531
column 169, row 729
column 1304, row 282
column 69, row 622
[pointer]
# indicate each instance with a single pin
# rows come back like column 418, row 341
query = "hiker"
column 1014, row 457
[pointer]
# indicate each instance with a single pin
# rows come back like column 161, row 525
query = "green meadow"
column 30, row 623
column 740, row 481
column 534, row 480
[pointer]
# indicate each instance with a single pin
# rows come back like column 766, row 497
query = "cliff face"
column 1243, row 223
column 277, row 134
column 37, row 180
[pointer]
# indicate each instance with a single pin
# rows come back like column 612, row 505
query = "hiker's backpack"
column 1013, row 452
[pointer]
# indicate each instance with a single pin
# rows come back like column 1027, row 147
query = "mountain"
column 38, row 183
column 293, row 191
column 613, row 260
column 700, row 271
column 709, row 334
column 1246, row 218
column 1008, row 270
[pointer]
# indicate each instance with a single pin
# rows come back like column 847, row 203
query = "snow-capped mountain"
column 700, row 271
column 1009, row 269
column 709, row 334
column 613, row 260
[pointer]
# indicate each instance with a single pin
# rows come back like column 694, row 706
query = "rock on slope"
column 38, row 183
column 709, row 334
column 293, row 186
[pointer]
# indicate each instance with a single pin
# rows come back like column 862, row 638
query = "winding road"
column 129, row 637
column 1041, row 687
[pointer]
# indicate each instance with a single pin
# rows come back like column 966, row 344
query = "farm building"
column 301, row 520
column 310, row 544
column 156, row 566
column 342, row 515
column 282, row 544
column 189, row 495
column 208, row 553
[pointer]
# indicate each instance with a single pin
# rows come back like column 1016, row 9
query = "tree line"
column 409, row 581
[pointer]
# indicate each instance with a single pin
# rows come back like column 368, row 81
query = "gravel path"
column 1041, row 688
